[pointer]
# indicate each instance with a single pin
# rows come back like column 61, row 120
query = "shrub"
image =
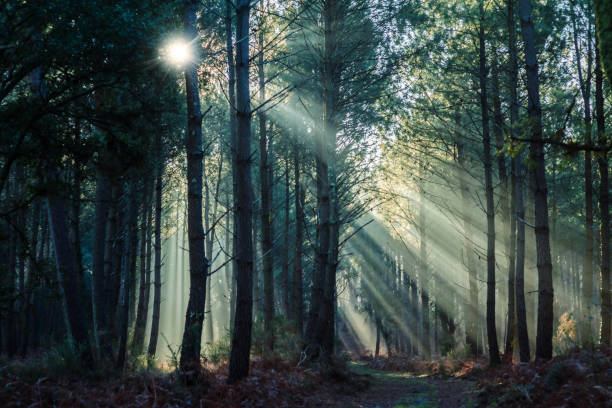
column 566, row 337
column 219, row 351
column 287, row 344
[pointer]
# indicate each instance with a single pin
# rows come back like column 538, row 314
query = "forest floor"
column 581, row 378
column 403, row 389
column 271, row 384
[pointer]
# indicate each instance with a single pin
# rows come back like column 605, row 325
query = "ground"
column 580, row 378
column 408, row 390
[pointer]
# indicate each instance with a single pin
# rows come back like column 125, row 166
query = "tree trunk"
column 233, row 142
column 101, row 212
column 378, row 325
column 71, row 284
column 545, row 286
column 145, row 247
column 241, row 340
column 285, row 271
column 507, row 214
column 297, row 298
column 471, row 309
column 128, row 263
column 423, row 272
column 230, row 279
column 265, row 174
column 320, row 318
column 517, row 227
column 604, row 206
column 208, row 220
column 585, row 88
column 113, row 285
column 104, row 329
column 486, row 141
column 157, row 262
column 70, row 281
column 198, row 264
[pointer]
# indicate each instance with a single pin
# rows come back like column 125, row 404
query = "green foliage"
column 555, row 377
column 61, row 360
column 173, row 360
column 287, row 344
column 219, row 351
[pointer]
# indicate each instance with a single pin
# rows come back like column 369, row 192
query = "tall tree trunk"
column 604, row 206
column 507, row 214
column 265, row 172
column 233, row 142
column 145, row 247
column 110, row 252
column 101, row 213
column 297, row 292
column 320, row 317
column 157, row 262
column 521, row 307
column 423, row 271
column 198, row 264
column 545, row 285
column 285, row 270
column 332, row 13
column 486, row 141
column 128, row 263
column 211, row 218
column 378, row 326
column 33, row 271
column 77, row 176
column 208, row 220
column 585, row 89
column 113, row 285
column 471, row 309
column 241, row 339
column 71, row 284
column 517, row 226
column 10, row 329
column 230, row 279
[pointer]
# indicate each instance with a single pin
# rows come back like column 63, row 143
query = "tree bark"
column 70, row 281
column 285, row 270
column 545, row 285
column 241, row 339
column 265, row 174
column 297, row 298
column 198, row 264
column 128, row 263
column 71, row 284
column 507, row 214
column 423, row 271
column 585, row 89
column 157, row 262
column 518, row 213
column 471, row 309
column 102, row 206
column 233, row 142
column 494, row 358
column 604, row 206
column 145, row 247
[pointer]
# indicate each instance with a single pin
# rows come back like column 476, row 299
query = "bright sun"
column 178, row 52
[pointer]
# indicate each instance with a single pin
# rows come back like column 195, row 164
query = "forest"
column 318, row 203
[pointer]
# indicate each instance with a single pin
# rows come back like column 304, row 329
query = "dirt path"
column 404, row 390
